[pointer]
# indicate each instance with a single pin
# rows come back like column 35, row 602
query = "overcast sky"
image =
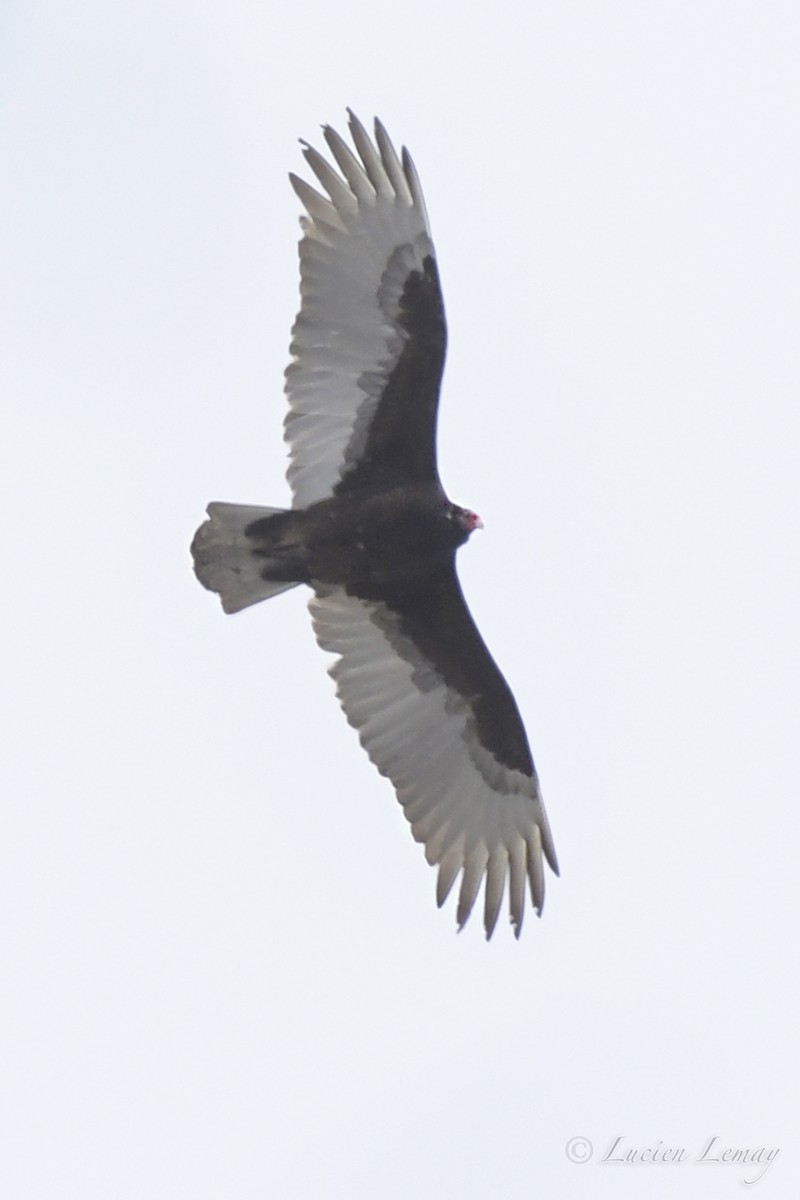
column 223, row 971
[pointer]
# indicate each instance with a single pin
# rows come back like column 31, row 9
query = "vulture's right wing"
column 369, row 341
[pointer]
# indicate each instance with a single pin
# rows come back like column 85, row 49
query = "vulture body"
column 374, row 535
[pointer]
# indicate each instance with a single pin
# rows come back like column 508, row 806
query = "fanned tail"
column 233, row 559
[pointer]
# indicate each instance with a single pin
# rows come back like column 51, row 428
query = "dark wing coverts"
column 413, row 675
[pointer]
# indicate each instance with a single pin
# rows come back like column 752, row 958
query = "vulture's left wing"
column 436, row 716
column 369, row 341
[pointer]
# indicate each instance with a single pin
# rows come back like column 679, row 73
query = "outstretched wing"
column 436, row 716
column 369, row 341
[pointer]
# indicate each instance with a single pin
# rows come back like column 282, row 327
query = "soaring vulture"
column 374, row 536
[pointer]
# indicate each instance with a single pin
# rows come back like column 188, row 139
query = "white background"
column 223, row 971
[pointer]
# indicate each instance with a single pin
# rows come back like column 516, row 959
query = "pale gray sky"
column 224, row 972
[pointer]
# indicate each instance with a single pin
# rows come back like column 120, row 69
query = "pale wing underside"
column 357, row 250
column 473, row 816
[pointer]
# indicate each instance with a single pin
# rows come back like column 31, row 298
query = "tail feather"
column 229, row 562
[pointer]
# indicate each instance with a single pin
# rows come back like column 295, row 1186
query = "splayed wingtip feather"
column 496, row 868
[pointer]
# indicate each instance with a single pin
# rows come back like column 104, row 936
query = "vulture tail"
column 246, row 554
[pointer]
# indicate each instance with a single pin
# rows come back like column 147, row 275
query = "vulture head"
column 465, row 519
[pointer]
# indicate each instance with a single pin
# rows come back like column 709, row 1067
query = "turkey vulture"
column 374, row 536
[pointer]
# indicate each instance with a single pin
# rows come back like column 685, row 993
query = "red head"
column 467, row 519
